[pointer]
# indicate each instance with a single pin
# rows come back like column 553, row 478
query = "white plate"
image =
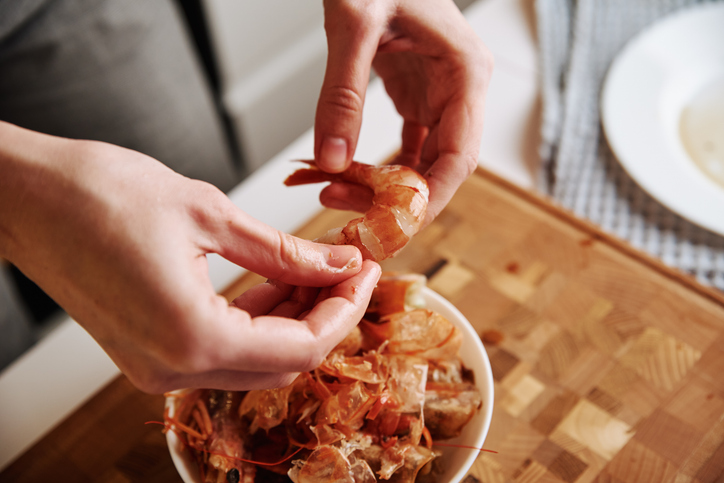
column 649, row 84
column 457, row 461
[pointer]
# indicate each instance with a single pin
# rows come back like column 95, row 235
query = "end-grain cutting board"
column 608, row 366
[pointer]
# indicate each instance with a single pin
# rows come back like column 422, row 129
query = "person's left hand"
column 435, row 69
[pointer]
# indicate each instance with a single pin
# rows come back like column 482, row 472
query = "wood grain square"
column 547, row 291
column 487, row 469
column 639, row 397
column 499, row 427
column 637, row 463
column 575, row 303
column 451, row 279
column 629, row 416
column 711, row 368
column 471, row 479
column 707, row 458
column 538, row 337
column 482, row 304
column 549, row 393
column 660, row 358
column 643, row 397
column 669, row 436
column 458, row 237
column 601, row 336
column 604, row 477
column 567, row 467
column 484, row 252
column 713, row 470
column 595, row 464
column 520, row 442
column 670, row 313
column 521, row 395
column 587, row 371
column 414, row 258
column 519, row 322
column 518, row 262
column 501, row 363
column 547, row 452
column 516, row 374
column 510, row 285
column 486, row 209
column 533, row 472
column 535, row 273
column 569, row 257
column 549, row 418
column 596, row 429
column 604, row 401
column 627, row 326
column 530, row 472
column 562, row 439
column 618, row 380
column 696, row 403
column 610, row 276
column 558, row 354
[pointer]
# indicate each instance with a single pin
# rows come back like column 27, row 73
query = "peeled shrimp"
column 225, row 442
column 398, row 207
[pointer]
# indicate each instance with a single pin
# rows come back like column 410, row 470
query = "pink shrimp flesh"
column 398, row 207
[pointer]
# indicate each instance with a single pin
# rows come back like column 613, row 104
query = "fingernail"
column 344, row 257
column 333, row 154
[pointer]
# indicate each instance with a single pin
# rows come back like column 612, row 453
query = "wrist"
column 27, row 162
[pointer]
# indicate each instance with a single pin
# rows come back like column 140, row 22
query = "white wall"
column 272, row 55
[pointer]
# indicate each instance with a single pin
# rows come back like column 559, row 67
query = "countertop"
column 67, row 367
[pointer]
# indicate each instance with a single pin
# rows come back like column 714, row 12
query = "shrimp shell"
column 371, row 411
column 398, row 207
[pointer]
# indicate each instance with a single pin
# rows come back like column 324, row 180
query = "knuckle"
column 470, row 162
column 210, row 201
column 289, row 252
column 342, row 99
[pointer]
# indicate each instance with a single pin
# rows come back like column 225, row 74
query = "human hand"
column 435, row 69
column 120, row 242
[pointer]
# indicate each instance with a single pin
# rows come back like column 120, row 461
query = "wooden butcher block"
column 608, row 366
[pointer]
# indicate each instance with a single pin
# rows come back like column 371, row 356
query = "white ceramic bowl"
column 457, row 461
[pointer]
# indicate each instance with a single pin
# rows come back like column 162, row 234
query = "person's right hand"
column 120, row 242
column 435, row 69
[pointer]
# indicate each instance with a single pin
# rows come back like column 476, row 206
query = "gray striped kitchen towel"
column 578, row 39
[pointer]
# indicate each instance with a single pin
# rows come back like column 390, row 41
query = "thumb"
column 352, row 44
column 271, row 253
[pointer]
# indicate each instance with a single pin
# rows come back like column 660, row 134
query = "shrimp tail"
column 309, row 175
